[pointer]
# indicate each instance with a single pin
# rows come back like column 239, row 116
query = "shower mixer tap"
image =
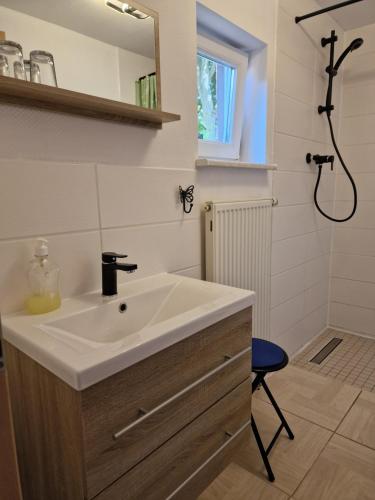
column 320, row 160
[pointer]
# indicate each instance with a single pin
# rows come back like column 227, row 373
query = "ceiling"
column 94, row 19
column 353, row 16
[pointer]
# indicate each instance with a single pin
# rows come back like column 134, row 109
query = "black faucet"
column 320, row 159
column 110, row 266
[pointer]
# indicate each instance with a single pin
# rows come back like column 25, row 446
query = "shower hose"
column 347, row 173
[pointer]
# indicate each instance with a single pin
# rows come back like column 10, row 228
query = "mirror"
column 103, row 48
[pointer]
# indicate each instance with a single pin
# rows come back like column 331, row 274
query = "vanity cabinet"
column 162, row 428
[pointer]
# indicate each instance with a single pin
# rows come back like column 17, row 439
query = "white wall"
column 353, row 264
column 301, row 237
column 132, row 66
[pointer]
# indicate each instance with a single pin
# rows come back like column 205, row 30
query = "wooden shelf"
column 65, row 101
column 208, row 162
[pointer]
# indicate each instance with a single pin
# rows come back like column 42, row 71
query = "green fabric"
column 146, row 92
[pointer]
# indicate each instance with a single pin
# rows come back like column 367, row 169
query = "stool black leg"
column 267, row 465
column 277, row 409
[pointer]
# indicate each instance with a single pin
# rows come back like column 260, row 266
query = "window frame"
column 240, row 61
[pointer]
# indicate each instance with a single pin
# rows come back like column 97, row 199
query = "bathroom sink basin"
column 119, row 318
column 92, row 337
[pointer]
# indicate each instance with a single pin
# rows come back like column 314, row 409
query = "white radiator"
column 238, row 252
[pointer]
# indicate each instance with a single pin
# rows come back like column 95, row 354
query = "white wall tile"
column 295, row 220
column 290, row 153
column 293, row 117
column 221, row 184
column 353, row 264
column 360, row 70
column 356, row 293
column 365, row 183
column 294, row 79
column 366, row 32
column 318, row 243
column 287, row 285
column 288, row 253
column 353, row 318
column 77, row 254
column 353, row 267
column 360, row 157
column 364, row 216
column 156, row 248
column 358, row 130
column 302, row 236
column 316, row 297
column 315, row 322
column 317, row 270
column 354, row 241
column 302, row 332
column 293, row 339
column 131, row 196
column 293, row 188
column 315, row 28
column 287, row 314
column 44, row 198
column 293, row 41
column 359, row 100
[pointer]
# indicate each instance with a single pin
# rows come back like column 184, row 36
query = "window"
column 221, row 74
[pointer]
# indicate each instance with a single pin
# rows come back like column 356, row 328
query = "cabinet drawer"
column 129, row 415
column 163, row 474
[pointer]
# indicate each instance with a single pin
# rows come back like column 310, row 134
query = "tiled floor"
column 332, row 456
column 353, row 361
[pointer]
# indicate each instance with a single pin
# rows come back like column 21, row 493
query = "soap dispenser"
column 44, row 281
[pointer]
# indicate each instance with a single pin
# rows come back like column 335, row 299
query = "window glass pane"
column 216, row 99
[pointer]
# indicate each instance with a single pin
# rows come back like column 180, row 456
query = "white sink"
column 91, row 338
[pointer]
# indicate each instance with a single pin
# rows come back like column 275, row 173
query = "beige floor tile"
column 344, row 471
column 359, row 423
column 321, row 400
column 234, row 483
column 352, row 361
column 290, row 460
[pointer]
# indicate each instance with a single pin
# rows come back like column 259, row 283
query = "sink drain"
column 122, row 308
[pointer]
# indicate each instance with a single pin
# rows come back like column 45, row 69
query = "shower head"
column 356, row 44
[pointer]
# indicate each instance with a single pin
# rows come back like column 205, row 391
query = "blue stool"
column 268, row 357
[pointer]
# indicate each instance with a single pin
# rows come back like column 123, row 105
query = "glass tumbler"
column 4, row 66
column 12, row 52
column 43, row 68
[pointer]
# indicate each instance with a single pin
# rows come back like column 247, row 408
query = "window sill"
column 208, row 162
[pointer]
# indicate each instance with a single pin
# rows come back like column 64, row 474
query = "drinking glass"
column 27, row 65
column 35, row 76
column 4, row 66
column 12, row 52
column 43, row 68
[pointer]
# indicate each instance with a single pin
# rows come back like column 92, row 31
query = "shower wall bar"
column 326, row 9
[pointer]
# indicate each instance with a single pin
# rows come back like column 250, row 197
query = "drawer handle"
column 212, row 457
column 205, row 377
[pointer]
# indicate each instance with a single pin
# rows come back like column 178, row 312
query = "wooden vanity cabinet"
column 162, row 428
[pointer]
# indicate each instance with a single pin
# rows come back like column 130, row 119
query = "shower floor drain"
column 326, row 351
